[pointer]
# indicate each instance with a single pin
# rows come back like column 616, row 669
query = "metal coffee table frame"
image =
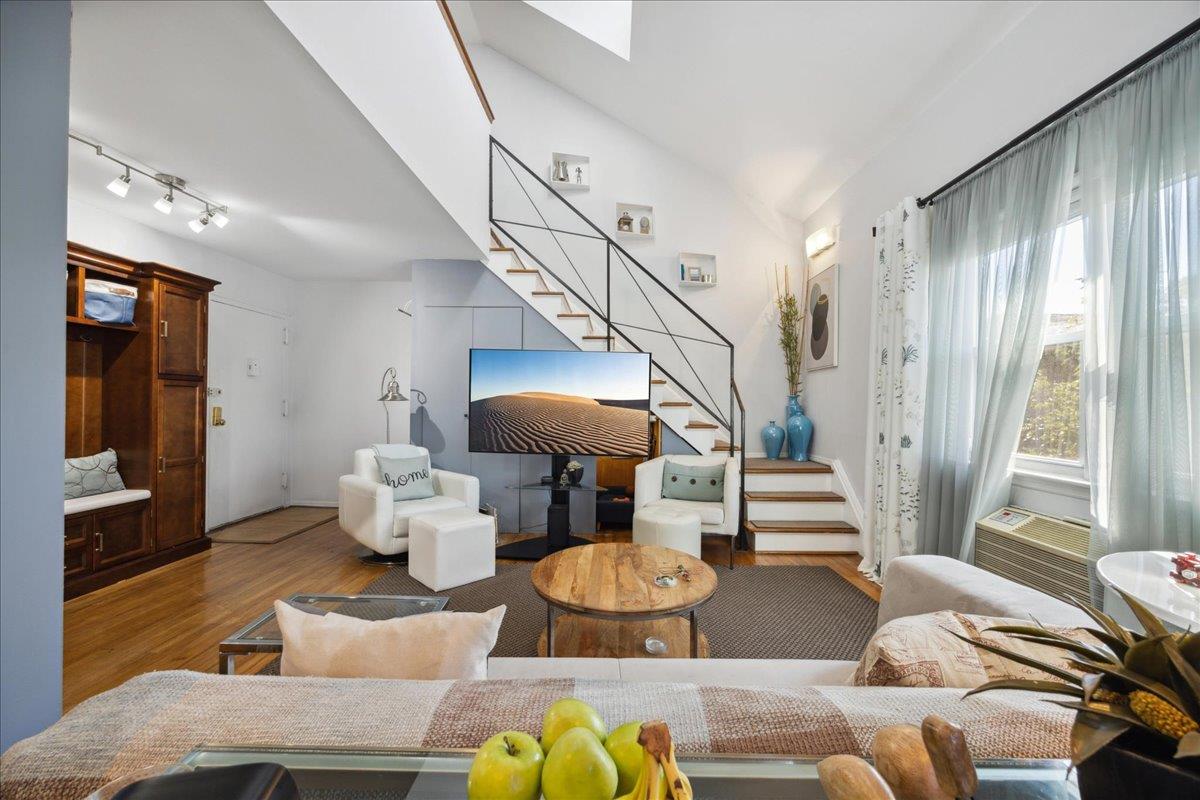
column 235, row 645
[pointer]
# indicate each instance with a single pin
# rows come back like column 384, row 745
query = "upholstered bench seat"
column 77, row 505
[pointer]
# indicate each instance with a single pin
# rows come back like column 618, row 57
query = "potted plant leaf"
column 1136, row 699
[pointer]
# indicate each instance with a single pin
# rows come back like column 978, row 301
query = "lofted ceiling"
column 784, row 100
column 221, row 94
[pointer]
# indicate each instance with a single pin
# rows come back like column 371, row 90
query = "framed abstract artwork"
column 821, row 319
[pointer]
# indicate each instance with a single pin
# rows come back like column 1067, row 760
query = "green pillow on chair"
column 683, row 482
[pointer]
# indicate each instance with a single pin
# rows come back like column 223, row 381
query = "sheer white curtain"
column 898, row 358
column 992, row 239
column 1139, row 162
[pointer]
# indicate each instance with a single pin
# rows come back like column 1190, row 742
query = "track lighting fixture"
column 213, row 211
column 166, row 202
column 120, row 184
column 200, row 223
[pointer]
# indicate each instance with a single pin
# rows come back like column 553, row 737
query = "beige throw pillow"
column 440, row 645
column 920, row 651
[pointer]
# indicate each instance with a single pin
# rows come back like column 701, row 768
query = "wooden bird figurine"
column 901, row 758
column 851, row 778
column 947, row 746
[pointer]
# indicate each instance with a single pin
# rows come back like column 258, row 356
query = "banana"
column 655, row 739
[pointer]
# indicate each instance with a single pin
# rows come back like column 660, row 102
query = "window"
column 1052, row 433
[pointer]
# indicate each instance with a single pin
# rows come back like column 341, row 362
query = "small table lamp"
column 390, row 394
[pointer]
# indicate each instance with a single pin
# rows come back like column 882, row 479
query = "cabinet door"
column 122, row 533
column 181, row 331
column 77, row 543
column 179, row 493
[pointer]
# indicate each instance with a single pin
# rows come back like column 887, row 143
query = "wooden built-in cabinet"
column 139, row 389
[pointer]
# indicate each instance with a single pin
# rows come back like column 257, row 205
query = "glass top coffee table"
column 263, row 635
column 442, row 774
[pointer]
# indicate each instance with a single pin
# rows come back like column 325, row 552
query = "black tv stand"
column 558, row 518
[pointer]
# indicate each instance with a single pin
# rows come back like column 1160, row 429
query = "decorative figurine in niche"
column 625, row 223
column 579, row 175
column 644, row 225
column 560, row 172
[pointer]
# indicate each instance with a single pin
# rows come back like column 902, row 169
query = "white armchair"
column 716, row 519
column 367, row 512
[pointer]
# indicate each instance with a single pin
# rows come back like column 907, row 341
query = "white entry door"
column 247, row 380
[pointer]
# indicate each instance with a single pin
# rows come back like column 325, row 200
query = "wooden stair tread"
column 766, row 466
column 501, row 249
column 546, row 293
column 598, row 336
column 799, row 526
column 705, row 426
column 796, row 497
column 723, row 447
column 521, row 271
column 574, row 314
column 658, row 381
column 675, row 404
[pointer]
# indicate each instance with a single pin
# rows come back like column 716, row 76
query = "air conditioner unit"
column 1045, row 553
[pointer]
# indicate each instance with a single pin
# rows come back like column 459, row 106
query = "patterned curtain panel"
column 1139, row 174
column 898, row 352
column 991, row 242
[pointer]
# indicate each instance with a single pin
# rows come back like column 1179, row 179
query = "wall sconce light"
column 820, row 241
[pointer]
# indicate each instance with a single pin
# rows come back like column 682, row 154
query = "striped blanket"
column 159, row 717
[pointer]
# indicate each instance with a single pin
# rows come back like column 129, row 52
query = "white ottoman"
column 452, row 547
column 667, row 527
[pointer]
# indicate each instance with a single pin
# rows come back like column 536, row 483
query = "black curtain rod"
column 1105, row 84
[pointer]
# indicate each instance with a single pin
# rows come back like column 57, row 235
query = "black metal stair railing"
column 633, row 304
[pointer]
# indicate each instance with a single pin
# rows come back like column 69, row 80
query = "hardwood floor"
column 174, row 617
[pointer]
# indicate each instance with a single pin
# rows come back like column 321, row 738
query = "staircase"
column 791, row 507
column 599, row 296
column 552, row 301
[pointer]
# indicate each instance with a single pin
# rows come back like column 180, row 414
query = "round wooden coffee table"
column 611, row 602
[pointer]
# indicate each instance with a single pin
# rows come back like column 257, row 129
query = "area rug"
column 757, row 612
column 274, row 526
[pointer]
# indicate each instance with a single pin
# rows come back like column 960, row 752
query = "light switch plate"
column 252, row 367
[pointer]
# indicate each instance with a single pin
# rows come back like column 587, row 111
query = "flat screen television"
column 560, row 402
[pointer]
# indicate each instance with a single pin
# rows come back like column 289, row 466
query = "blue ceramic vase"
column 793, row 407
column 772, row 436
column 799, row 435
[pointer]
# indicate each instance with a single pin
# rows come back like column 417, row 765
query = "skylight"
column 608, row 23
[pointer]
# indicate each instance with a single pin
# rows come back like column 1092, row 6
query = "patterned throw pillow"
column 919, row 651
column 684, row 482
column 410, row 478
column 90, row 475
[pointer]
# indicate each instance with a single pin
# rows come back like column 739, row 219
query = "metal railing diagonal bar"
column 553, row 235
column 726, row 422
column 584, row 218
column 556, row 230
column 667, row 333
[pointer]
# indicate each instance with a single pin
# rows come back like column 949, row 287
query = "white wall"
column 1052, row 55
column 35, row 43
column 242, row 283
column 398, row 63
column 346, row 335
column 694, row 211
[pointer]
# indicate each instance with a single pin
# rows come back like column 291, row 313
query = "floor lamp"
column 390, row 394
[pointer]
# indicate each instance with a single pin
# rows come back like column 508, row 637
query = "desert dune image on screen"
column 560, row 401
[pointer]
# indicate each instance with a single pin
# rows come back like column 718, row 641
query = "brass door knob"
column 217, row 419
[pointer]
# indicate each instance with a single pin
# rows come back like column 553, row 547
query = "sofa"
column 780, row 707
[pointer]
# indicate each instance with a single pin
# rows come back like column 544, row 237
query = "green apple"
column 579, row 768
column 507, row 766
column 628, row 755
column 569, row 713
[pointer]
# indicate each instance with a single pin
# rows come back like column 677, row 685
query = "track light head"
column 166, row 202
column 120, row 184
column 219, row 217
column 199, row 223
